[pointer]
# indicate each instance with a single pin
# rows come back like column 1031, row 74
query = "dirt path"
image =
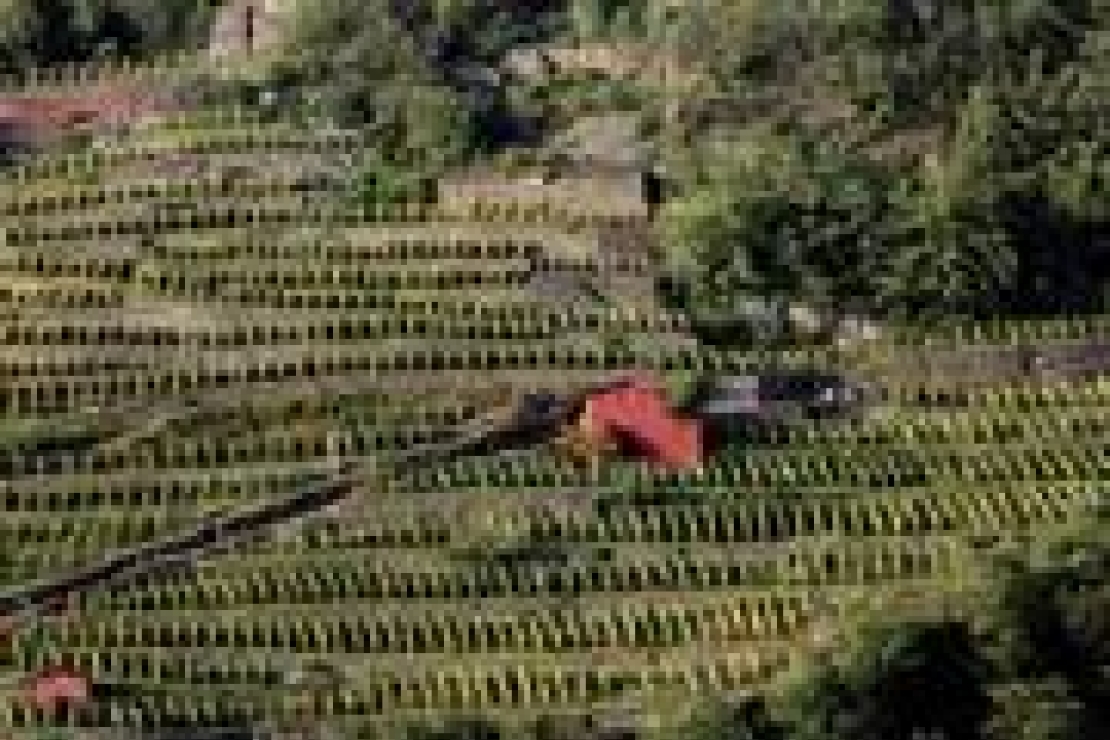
column 984, row 366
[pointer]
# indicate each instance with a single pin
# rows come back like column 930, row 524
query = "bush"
column 388, row 184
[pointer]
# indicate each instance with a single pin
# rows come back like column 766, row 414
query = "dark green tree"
column 936, row 49
column 49, row 32
column 905, row 682
column 1050, row 629
column 779, row 219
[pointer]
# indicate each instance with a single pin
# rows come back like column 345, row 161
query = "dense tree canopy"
column 1010, row 94
column 1030, row 665
column 45, row 32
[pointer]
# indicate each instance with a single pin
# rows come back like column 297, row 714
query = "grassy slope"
column 737, row 568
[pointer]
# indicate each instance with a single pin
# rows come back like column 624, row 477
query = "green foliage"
column 45, row 32
column 38, row 642
column 866, row 699
column 778, row 218
column 343, row 55
column 749, row 719
column 161, row 26
column 937, row 49
column 747, row 44
column 1039, row 124
column 411, row 73
column 609, row 18
column 462, row 32
column 946, row 251
column 55, row 733
column 389, row 183
column 1050, row 620
column 573, row 96
column 782, row 212
column 1050, row 631
column 1041, row 711
column 1028, row 666
column 1045, row 157
column 457, row 730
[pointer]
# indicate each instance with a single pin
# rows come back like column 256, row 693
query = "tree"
column 412, row 72
column 947, row 251
column 773, row 219
column 1046, row 156
column 1050, row 628
column 367, row 71
column 1026, row 663
column 41, row 32
column 459, row 33
column 47, row 32
column 904, row 682
column 144, row 27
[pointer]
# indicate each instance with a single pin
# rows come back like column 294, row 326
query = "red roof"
column 34, row 112
column 639, row 415
column 55, row 686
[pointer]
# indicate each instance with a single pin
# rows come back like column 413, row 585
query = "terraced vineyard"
column 190, row 349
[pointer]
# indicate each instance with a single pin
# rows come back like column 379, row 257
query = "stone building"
column 245, row 26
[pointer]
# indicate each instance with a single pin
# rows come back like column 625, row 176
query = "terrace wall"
column 616, row 194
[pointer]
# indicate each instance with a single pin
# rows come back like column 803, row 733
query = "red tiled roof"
column 55, row 686
column 639, row 415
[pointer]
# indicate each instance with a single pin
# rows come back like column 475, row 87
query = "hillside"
column 221, row 308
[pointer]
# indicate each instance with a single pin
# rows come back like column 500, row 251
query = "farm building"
column 37, row 119
column 636, row 419
column 55, row 687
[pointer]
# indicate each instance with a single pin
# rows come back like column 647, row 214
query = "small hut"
column 53, row 688
column 636, row 419
column 31, row 120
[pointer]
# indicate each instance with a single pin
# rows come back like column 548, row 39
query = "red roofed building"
column 38, row 118
column 636, row 416
column 54, row 687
